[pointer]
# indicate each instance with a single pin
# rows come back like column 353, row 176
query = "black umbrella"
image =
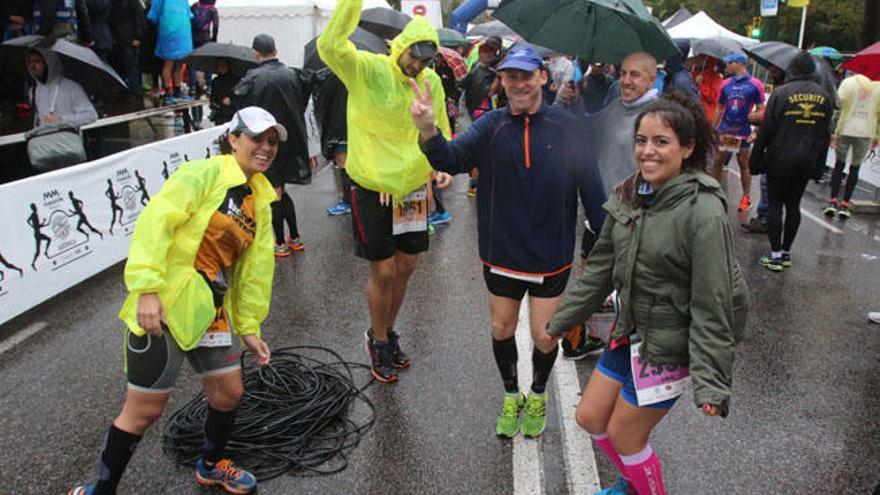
column 384, row 22
column 716, row 46
column 493, row 28
column 826, row 78
column 362, row 39
column 79, row 63
column 773, row 53
column 542, row 51
column 240, row 58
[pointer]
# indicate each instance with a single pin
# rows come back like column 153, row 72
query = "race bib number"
column 412, row 215
column 535, row 279
column 729, row 142
column 657, row 383
column 219, row 334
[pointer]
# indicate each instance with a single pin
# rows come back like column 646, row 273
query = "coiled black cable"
column 296, row 415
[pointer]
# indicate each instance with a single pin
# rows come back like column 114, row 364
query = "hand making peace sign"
column 423, row 110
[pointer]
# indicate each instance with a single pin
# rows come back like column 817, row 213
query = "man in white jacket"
column 56, row 98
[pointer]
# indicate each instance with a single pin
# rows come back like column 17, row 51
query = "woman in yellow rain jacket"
column 199, row 270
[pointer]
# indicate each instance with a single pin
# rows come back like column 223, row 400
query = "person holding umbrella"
column 388, row 172
column 790, row 149
column 223, row 91
column 55, row 97
column 199, row 275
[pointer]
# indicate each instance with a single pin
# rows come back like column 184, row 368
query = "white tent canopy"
column 701, row 26
column 292, row 23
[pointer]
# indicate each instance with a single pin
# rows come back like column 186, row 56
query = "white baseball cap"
column 254, row 121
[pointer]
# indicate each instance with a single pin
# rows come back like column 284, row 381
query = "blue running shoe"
column 226, row 474
column 622, row 487
column 82, row 490
column 340, row 208
column 440, row 218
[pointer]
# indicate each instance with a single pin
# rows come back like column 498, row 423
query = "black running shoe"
column 381, row 359
column 580, row 344
column 401, row 359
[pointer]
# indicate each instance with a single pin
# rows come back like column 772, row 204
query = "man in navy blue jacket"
column 533, row 163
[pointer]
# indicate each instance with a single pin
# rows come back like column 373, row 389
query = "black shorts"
column 371, row 223
column 512, row 288
column 153, row 363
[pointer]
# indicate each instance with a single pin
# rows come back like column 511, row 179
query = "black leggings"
column 784, row 192
column 851, row 180
column 283, row 210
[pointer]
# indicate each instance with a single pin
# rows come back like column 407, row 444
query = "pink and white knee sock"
column 604, row 443
column 643, row 472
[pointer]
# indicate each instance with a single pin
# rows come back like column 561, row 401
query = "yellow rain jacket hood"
column 167, row 238
column 383, row 142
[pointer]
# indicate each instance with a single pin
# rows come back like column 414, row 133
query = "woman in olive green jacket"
column 666, row 248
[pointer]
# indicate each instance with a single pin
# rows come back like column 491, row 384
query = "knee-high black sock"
column 290, row 214
column 438, row 199
column 505, row 358
column 218, row 427
column 836, row 175
column 346, row 185
column 278, row 222
column 542, row 364
column 851, row 180
column 119, row 446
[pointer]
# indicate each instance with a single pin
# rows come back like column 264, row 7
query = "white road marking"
column 21, row 336
column 581, row 471
column 822, row 223
column 528, row 465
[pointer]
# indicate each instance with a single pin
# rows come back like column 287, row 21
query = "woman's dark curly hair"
column 223, row 142
column 687, row 118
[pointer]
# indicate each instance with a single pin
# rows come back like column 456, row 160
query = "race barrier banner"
column 63, row 227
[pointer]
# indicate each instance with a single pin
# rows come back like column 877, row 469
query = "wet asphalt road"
column 804, row 415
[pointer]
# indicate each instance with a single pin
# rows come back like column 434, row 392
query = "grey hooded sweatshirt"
column 60, row 96
column 615, row 138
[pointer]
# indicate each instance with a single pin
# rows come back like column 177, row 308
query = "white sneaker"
column 874, row 317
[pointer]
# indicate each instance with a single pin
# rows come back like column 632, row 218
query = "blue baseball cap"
column 736, row 57
column 522, row 57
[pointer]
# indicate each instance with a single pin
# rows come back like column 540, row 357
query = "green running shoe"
column 771, row 263
column 508, row 423
column 533, row 420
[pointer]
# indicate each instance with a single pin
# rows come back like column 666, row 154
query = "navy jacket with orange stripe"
column 532, row 168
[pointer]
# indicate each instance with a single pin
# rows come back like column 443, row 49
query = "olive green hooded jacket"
column 383, row 142
column 678, row 283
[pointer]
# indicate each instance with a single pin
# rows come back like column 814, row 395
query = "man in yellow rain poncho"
column 388, row 171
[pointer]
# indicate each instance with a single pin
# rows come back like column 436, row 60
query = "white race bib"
column 219, row 334
column 412, row 215
column 535, row 279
